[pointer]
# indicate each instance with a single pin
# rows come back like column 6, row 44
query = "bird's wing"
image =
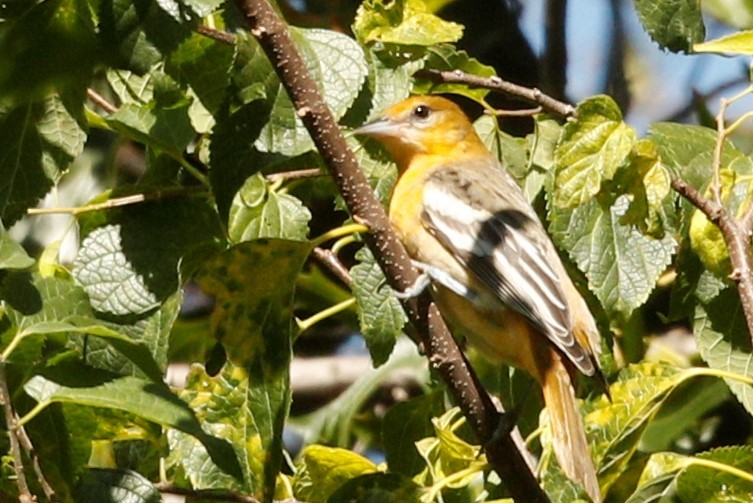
column 481, row 216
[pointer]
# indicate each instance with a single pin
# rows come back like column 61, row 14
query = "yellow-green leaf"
column 737, row 43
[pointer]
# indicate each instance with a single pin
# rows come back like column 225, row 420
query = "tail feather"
column 568, row 435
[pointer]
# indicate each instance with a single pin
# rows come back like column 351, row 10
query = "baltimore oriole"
column 495, row 274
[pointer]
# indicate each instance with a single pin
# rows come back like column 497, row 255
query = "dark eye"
column 421, row 111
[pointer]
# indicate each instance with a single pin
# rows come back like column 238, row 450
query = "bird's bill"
column 380, row 127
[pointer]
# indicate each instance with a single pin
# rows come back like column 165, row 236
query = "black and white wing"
column 480, row 214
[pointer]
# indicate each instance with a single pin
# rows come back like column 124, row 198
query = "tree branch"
column 497, row 84
column 24, row 494
column 433, row 335
column 736, row 237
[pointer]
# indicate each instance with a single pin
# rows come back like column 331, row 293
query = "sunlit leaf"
column 737, row 43
column 322, row 470
column 591, row 149
column 403, row 22
column 673, row 24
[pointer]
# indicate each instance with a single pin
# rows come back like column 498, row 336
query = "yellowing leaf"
column 737, row 43
column 402, row 22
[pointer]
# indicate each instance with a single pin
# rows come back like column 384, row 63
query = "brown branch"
column 25, row 442
column 736, row 237
column 554, row 63
column 527, row 112
column 330, row 260
column 101, row 101
column 218, row 35
column 11, row 420
column 497, row 84
column 433, row 335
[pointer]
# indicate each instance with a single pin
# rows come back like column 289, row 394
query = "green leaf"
column 261, row 212
column 377, row 165
column 140, row 348
column 591, row 149
column 130, row 87
column 248, row 402
column 404, row 424
column 380, row 314
column 161, row 123
column 39, row 142
column 204, row 64
column 387, row 84
column 337, row 63
column 446, row 57
column 402, row 22
column 614, row 428
column 737, row 43
column 322, row 470
column 722, row 335
column 377, row 488
column 12, row 254
column 673, row 24
column 140, row 32
column 698, row 483
column 509, row 150
column 253, row 318
column 52, row 46
column 131, row 264
column 116, row 486
column 621, row 264
column 72, row 382
column 658, row 478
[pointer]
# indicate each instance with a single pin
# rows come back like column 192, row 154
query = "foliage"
column 86, row 341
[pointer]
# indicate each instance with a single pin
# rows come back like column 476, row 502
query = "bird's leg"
column 430, row 273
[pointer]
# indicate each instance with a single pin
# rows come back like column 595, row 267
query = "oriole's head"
column 423, row 125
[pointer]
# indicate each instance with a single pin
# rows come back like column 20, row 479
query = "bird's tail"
column 568, row 435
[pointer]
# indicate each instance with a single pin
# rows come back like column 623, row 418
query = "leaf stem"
column 454, row 477
column 712, row 372
column 11, row 347
column 24, row 494
column 325, row 313
column 721, row 467
column 343, row 230
column 39, row 407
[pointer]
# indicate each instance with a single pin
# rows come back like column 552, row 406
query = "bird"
column 492, row 268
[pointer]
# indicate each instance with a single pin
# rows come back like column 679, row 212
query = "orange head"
column 424, row 125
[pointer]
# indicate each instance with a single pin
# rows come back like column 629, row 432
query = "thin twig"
column 119, row 201
column 331, row 262
column 25, row 442
column 296, row 175
column 527, row 112
column 736, row 239
column 497, row 84
column 218, row 35
column 204, row 494
column 101, row 101
column 24, row 494
column 431, row 332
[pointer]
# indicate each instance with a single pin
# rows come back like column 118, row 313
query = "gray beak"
column 379, row 127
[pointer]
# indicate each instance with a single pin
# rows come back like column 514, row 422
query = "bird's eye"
column 421, row 111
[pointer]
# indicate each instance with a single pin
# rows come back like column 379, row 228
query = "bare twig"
column 497, row 84
column 119, row 201
column 330, row 260
column 218, row 35
column 527, row 112
column 296, row 175
column 735, row 237
column 101, row 101
column 554, row 64
column 433, row 335
column 204, row 494
column 11, row 420
column 25, row 442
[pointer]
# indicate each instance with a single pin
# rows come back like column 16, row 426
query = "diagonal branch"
column 11, row 420
column 736, row 237
column 433, row 336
